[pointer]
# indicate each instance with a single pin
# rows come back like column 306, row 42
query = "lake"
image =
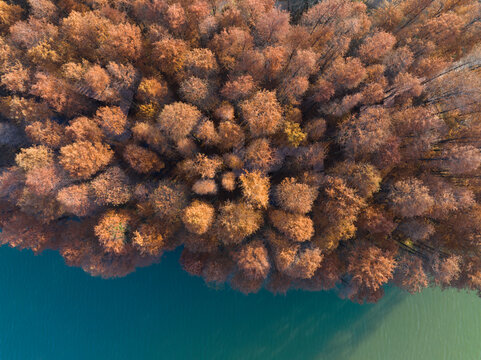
column 50, row 311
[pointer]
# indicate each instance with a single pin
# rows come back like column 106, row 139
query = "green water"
column 50, row 311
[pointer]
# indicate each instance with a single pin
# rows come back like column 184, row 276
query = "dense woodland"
column 335, row 145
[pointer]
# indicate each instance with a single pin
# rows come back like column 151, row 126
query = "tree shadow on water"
column 347, row 338
column 227, row 325
column 308, row 326
column 161, row 312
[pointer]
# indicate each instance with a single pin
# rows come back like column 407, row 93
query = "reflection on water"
column 50, row 311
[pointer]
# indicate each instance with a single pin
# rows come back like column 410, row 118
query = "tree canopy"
column 279, row 144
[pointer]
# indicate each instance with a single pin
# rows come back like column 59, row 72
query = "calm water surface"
column 49, row 311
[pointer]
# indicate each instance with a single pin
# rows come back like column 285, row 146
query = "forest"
column 279, row 145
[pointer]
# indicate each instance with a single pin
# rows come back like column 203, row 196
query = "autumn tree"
column 238, row 88
column 327, row 275
column 261, row 155
column 296, row 227
column 294, row 196
column 262, row 113
column 370, row 266
column 337, row 214
column 205, row 187
column 111, row 120
column 122, row 42
column 48, row 133
column 363, row 135
column 198, row 217
column 445, row 269
column 461, row 159
column 142, row 160
column 230, row 45
column 364, row 178
column 83, row 159
column 253, row 259
column 34, row 157
column 77, row 200
column 83, row 128
column 177, row 120
column 236, row 221
column 168, row 200
column 410, row 197
column 329, row 144
column 113, row 230
column 255, row 189
column 376, row 46
column 44, row 180
column 150, row 239
column 410, row 275
column 111, row 187
column 25, row 232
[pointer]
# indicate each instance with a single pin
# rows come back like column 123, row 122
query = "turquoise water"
column 50, row 311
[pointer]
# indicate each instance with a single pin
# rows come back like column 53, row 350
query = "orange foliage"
column 177, row 120
column 112, row 231
column 295, row 226
column 142, row 160
column 370, row 266
column 262, row 113
column 83, row 159
column 112, row 120
column 111, row 187
column 314, row 146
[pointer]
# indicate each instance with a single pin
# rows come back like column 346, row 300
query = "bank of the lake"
column 53, row 312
